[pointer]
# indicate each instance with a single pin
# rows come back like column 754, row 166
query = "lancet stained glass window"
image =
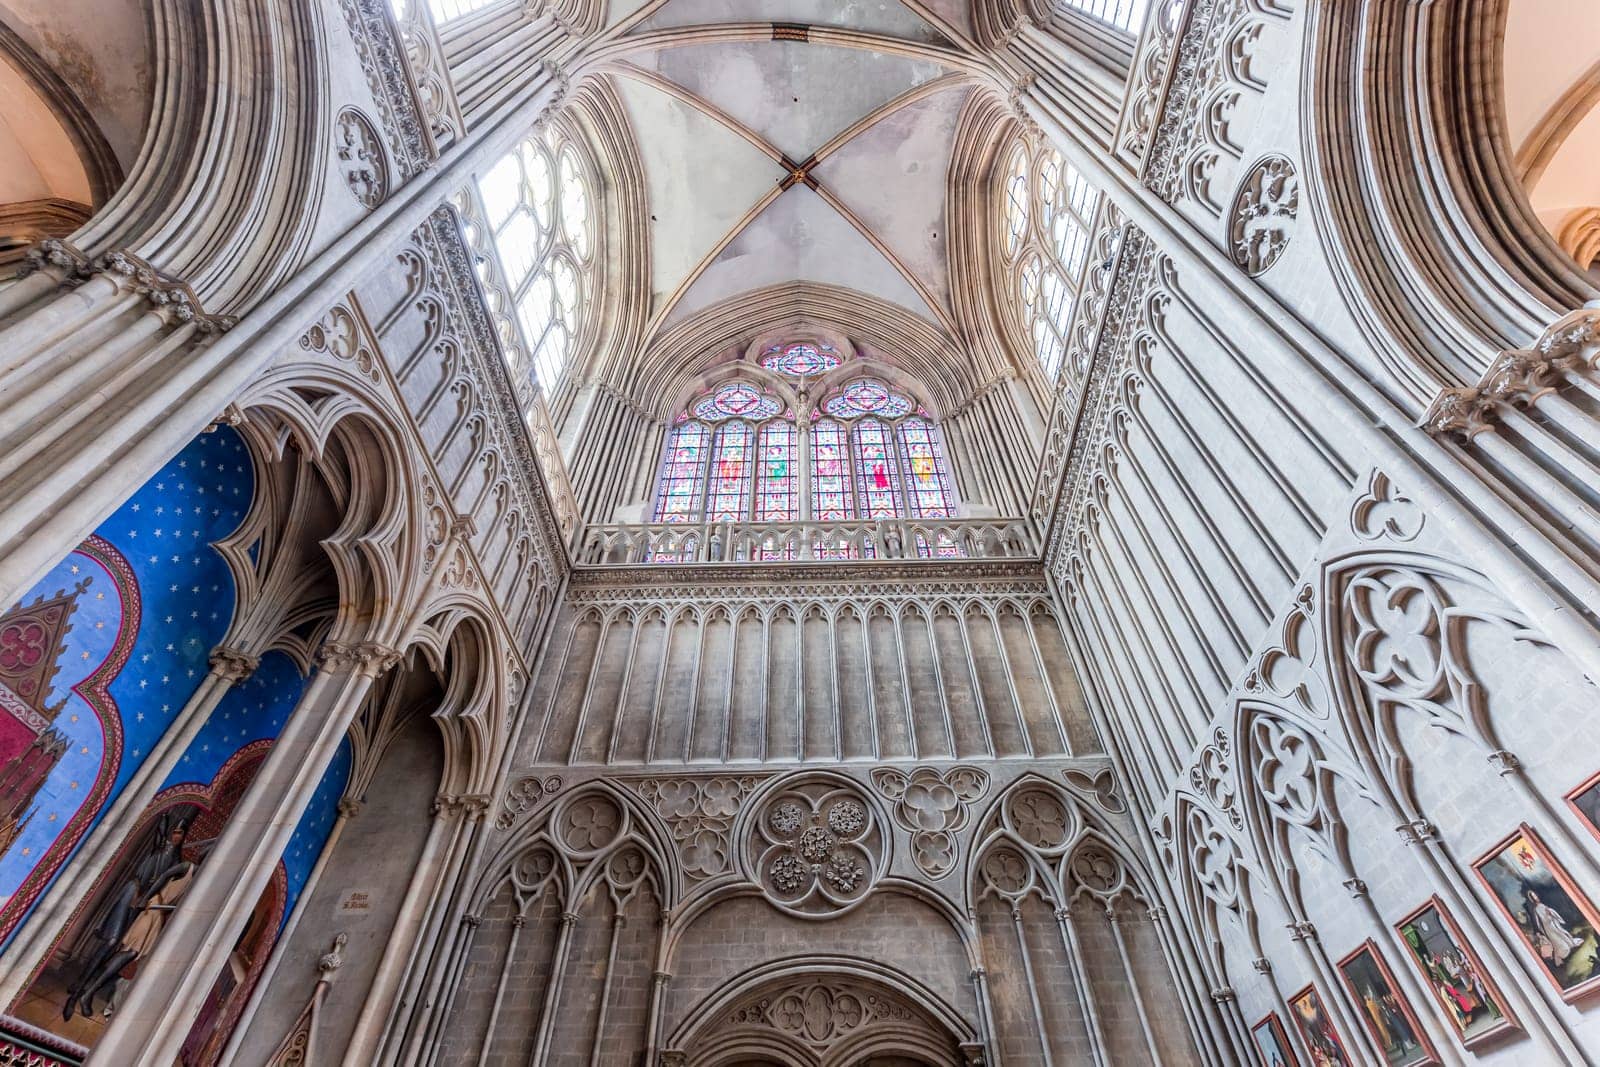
column 728, row 494
column 538, row 206
column 683, row 474
column 737, row 455
column 832, row 494
column 777, row 480
column 1047, row 209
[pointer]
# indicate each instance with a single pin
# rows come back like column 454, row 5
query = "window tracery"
column 1123, row 14
column 1047, row 209
column 538, row 203
column 739, row 454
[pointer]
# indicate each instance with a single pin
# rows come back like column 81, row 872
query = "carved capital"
column 1261, row 965
column 1355, row 887
column 472, row 921
column 674, row 1057
column 1302, row 931
column 350, row 807
column 1224, row 994
column 172, row 299
column 368, row 659
column 973, row 1054
column 233, row 665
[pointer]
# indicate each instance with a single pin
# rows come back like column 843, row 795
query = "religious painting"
column 1585, row 800
column 1272, row 1043
column 1553, row 918
column 1383, row 1011
column 1453, row 972
column 1316, row 1030
column 98, row 957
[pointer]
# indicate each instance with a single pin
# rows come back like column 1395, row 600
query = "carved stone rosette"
column 815, row 848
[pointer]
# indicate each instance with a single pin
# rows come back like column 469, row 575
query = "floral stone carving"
column 816, row 848
column 1263, row 214
column 933, row 806
column 361, row 158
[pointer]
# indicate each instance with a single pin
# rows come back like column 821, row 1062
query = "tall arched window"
column 537, row 199
column 736, row 455
column 1047, row 208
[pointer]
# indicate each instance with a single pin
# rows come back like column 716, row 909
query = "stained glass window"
column 728, row 489
column 867, row 396
column 927, row 483
column 536, row 201
column 877, row 470
column 777, row 480
column 683, row 474
column 1048, row 208
column 737, row 455
column 801, row 359
column 739, row 401
column 831, row 497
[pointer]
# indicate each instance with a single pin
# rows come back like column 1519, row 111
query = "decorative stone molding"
column 1385, row 511
column 384, row 64
column 1100, row 786
column 1263, row 215
column 361, row 159
column 1302, row 931
column 523, row 795
column 1517, row 378
column 700, row 812
column 169, row 296
column 933, row 806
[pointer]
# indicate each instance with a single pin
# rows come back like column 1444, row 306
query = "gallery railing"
column 621, row 545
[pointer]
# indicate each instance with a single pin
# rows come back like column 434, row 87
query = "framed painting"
column 1316, row 1029
column 1453, row 972
column 1585, row 800
column 1272, row 1043
column 1554, row 919
column 1383, row 1011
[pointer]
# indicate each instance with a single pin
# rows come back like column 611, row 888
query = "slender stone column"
column 229, row 666
column 174, row 978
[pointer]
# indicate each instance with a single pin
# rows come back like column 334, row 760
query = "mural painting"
column 95, row 664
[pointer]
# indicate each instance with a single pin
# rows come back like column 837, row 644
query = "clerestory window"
column 1047, row 208
column 538, row 202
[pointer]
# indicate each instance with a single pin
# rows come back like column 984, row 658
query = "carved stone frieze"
column 170, row 297
column 1518, row 378
column 383, row 62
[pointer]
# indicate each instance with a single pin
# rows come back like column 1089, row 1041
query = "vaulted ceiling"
column 794, row 141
